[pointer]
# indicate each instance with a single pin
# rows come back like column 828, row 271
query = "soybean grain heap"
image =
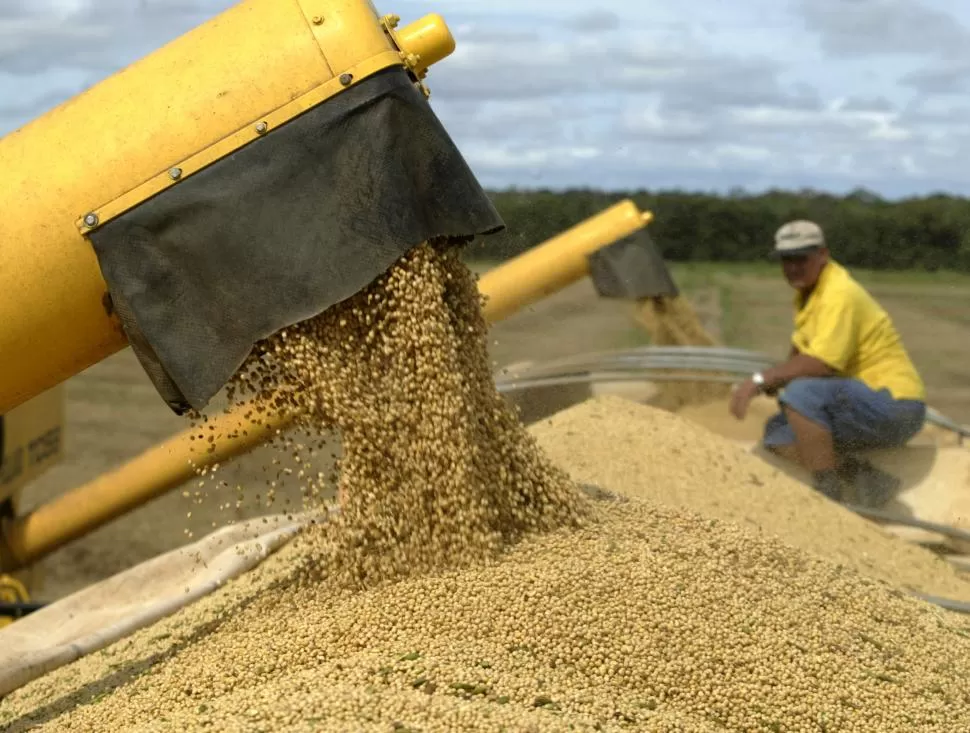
column 436, row 467
column 469, row 586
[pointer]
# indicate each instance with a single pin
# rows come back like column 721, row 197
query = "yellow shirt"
column 842, row 325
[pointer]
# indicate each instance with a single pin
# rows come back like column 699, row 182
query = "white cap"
column 798, row 237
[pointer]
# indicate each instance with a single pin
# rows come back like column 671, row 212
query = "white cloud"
column 826, row 93
column 653, row 122
column 747, row 153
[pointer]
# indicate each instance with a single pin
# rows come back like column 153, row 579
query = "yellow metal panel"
column 353, row 45
column 227, row 75
column 183, row 169
column 28, row 538
column 190, row 93
column 346, row 30
column 33, row 441
column 104, row 142
column 557, row 262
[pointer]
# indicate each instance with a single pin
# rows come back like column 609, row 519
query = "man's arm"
column 798, row 365
column 838, row 326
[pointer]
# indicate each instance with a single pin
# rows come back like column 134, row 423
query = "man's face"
column 802, row 271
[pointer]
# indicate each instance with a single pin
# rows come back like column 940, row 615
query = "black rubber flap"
column 283, row 229
column 631, row 268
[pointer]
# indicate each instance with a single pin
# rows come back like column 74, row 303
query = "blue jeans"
column 858, row 417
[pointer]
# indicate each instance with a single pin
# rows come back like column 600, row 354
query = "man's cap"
column 798, row 237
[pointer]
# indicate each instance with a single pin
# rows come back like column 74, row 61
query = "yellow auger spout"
column 557, row 262
column 548, row 267
column 153, row 127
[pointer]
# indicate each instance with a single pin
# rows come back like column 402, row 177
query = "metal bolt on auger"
column 261, row 128
column 91, row 220
column 317, row 19
column 345, row 79
column 175, row 173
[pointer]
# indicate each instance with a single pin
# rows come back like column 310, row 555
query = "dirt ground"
column 113, row 412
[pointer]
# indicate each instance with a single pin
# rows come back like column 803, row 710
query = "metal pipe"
column 703, row 358
column 589, row 378
column 683, row 356
column 539, row 376
column 681, row 351
column 558, row 262
column 112, row 147
column 878, row 515
column 19, row 609
column 950, row 604
column 736, row 367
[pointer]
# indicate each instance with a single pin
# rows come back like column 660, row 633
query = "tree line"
column 863, row 230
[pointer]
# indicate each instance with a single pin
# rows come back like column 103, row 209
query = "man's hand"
column 741, row 399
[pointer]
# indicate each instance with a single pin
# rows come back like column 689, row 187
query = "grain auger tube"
column 222, row 188
column 564, row 259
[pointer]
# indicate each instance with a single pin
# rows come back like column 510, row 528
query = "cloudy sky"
column 703, row 94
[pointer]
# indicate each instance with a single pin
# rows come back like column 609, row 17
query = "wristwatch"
column 759, row 381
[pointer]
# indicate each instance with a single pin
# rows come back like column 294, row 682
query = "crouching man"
column 848, row 385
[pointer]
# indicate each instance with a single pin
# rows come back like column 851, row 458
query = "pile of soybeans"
column 469, row 584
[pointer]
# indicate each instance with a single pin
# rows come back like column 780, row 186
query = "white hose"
column 105, row 612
